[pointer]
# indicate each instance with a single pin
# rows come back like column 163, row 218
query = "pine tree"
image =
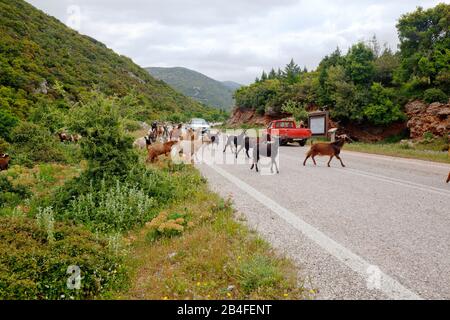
column 272, row 74
column 263, row 76
column 291, row 72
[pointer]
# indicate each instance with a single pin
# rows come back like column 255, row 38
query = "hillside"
column 196, row 85
column 39, row 56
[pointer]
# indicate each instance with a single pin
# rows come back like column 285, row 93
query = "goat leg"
column 314, row 160
column 276, row 166
column 237, row 151
column 331, row 157
column 340, row 160
column 307, row 157
column 251, row 168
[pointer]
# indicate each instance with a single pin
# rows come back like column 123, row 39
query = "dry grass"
column 214, row 257
column 43, row 179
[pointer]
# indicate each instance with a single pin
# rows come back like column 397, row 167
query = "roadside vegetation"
column 370, row 83
column 431, row 149
column 134, row 231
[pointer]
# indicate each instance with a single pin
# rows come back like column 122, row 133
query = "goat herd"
column 162, row 139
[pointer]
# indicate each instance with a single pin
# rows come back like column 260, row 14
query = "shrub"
column 109, row 209
column 33, row 143
column 7, row 122
column 104, row 145
column 11, row 195
column 167, row 225
column 382, row 110
column 4, row 146
column 258, row 273
column 435, row 95
column 34, row 268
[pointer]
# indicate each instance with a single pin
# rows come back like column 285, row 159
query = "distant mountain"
column 232, row 85
column 38, row 53
column 198, row 86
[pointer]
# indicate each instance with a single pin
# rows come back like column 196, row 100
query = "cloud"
column 234, row 39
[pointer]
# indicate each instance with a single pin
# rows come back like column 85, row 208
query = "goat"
column 332, row 149
column 4, row 161
column 175, row 133
column 236, row 141
column 250, row 142
column 63, row 136
column 143, row 142
column 265, row 149
column 154, row 151
column 75, row 138
column 212, row 138
column 448, row 179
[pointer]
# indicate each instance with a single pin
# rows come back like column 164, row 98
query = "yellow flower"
column 285, row 295
column 165, row 298
column 228, row 294
column 198, row 284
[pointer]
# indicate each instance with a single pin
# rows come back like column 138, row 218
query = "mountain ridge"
column 196, row 85
column 39, row 55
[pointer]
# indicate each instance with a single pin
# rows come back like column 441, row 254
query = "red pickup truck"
column 287, row 131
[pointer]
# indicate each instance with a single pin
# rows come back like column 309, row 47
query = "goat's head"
column 345, row 138
column 4, row 155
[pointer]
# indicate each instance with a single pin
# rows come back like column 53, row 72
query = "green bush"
column 32, row 267
column 11, row 195
column 115, row 208
column 104, row 145
column 383, row 110
column 4, row 145
column 33, row 143
column 435, row 95
column 7, row 123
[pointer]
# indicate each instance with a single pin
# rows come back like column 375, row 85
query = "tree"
column 385, row 66
column 425, row 45
column 263, row 76
column 359, row 64
column 291, row 72
column 272, row 74
column 296, row 109
column 382, row 110
column 104, row 145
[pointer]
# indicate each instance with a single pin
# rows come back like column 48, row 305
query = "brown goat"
column 332, row 149
column 448, row 179
column 4, row 161
column 155, row 150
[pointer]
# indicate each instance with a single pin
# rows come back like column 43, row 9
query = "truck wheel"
column 302, row 143
column 283, row 142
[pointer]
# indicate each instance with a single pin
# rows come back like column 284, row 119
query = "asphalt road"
column 377, row 229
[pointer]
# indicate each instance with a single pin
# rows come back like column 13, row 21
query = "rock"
column 43, row 87
column 231, row 288
column 433, row 118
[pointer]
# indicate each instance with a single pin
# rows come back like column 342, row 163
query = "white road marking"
column 401, row 182
column 397, row 159
column 388, row 285
column 396, row 181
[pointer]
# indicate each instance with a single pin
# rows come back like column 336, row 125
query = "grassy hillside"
column 196, row 85
column 40, row 58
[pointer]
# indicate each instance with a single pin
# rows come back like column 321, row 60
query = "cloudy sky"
column 231, row 39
